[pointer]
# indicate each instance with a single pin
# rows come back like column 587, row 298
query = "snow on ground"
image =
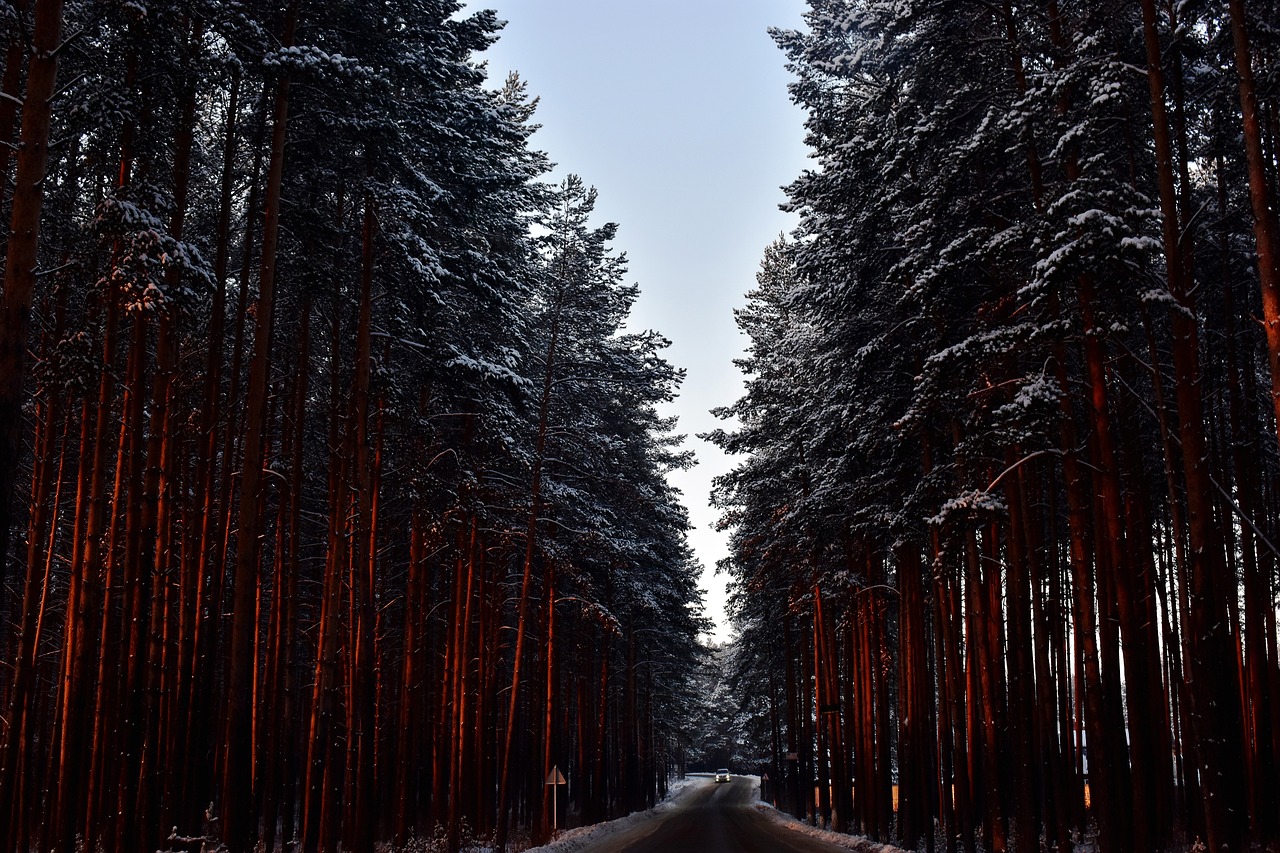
column 575, row 839
column 859, row 843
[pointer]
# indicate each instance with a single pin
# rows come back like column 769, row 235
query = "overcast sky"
column 677, row 111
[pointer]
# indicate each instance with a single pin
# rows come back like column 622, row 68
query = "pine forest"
column 334, row 497
column 1011, row 486
column 338, row 489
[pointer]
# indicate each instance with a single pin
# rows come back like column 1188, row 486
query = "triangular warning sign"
column 555, row 777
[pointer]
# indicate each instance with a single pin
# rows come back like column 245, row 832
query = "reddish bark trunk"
column 1261, row 203
column 237, row 789
column 1214, row 698
column 21, row 259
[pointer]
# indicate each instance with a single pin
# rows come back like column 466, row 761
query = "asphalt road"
column 712, row 818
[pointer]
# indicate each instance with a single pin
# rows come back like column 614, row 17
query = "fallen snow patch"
column 568, row 840
column 859, row 843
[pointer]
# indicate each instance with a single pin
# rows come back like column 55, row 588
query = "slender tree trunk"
column 1215, row 699
column 237, row 792
column 531, row 533
column 324, row 727
column 1025, row 829
column 410, row 755
column 917, row 806
column 17, row 741
column 549, row 739
column 793, row 719
column 361, row 734
column 21, row 260
column 1261, row 202
column 137, row 587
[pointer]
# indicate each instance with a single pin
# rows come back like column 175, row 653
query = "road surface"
column 712, row 818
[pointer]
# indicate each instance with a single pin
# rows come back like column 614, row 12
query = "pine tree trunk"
column 16, row 744
column 407, row 729
column 1025, row 825
column 1102, row 781
column 138, row 579
column 549, row 739
column 827, row 660
column 21, row 259
column 1265, row 234
column 1214, row 698
column 531, row 533
column 793, row 718
column 237, row 791
column 362, row 731
column 984, row 703
column 324, row 729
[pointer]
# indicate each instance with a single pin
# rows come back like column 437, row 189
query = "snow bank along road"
column 711, row 818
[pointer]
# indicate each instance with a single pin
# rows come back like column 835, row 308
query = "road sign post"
column 555, row 779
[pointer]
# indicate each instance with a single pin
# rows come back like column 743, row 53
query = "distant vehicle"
column 722, row 775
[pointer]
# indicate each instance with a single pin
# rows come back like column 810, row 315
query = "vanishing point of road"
column 712, row 818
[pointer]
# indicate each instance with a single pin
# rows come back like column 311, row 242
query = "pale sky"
column 677, row 111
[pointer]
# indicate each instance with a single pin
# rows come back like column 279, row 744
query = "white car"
column 722, row 775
